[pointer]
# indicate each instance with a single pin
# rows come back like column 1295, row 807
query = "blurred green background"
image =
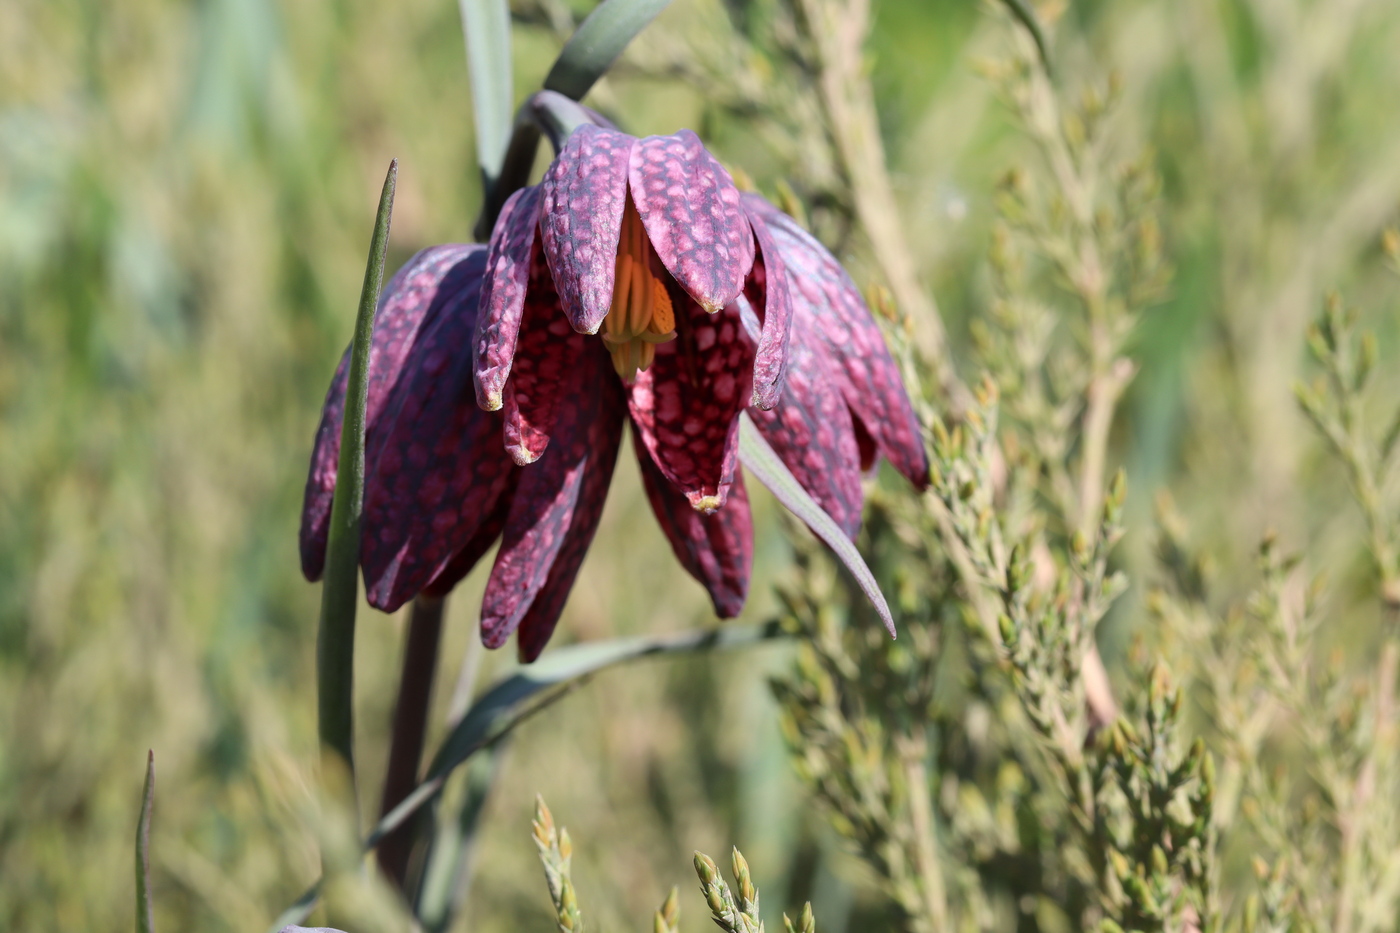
column 186, row 193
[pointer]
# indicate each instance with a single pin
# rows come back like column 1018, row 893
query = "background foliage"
column 185, row 197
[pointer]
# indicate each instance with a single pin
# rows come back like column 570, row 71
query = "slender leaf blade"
column 335, row 643
column 509, row 703
column 145, row 909
column 1026, row 15
column 598, row 42
column 443, row 890
column 763, row 462
column 486, row 26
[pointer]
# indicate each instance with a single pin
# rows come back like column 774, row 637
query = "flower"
column 633, row 284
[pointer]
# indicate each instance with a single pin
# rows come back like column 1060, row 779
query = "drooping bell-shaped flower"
column 635, row 283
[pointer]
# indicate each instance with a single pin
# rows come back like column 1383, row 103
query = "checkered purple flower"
column 635, row 284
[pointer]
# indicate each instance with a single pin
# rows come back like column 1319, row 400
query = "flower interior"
column 641, row 314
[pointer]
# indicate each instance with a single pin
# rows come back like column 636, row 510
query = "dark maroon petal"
column 436, row 278
column 605, row 435
column 547, row 500
column 585, row 190
column 812, row 432
column 716, row 549
column 691, row 211
column 827, row 302
column 466, row 559
column 503, row 298
column 767, row 289
column 436, row 477
column 686, row 406
column 546, row 363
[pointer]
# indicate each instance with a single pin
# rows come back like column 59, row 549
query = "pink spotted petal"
column 827, row 302
column 439, row 279
column 465, row 560
column 811, row 431
column 686, row 406
column 717, row 549
column 585, row 190
column 767, row 289
column 503, row 298
column 605, row 435
column 692, row 214
column 546, row 364
column 439, row 473
column 546, row 502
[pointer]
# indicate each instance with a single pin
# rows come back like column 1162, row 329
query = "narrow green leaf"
column 486, row 25
column 506, row 704
column 509, row 703
column 1027, row 16
column 335, row 643
column 598, row 42
column 145, row 912
column 761, row 460
column 447, row 875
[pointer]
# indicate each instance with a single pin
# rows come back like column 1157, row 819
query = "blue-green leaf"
column 447, row 874
column 526, row 692
column 598, row 42
column 763, row 462
column 335, row 643
column 486, row 25
column 145, row 912
column 507, row 703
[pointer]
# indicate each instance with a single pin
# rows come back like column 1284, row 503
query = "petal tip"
column 765, row 398
column 493, row 401
column 523, row 456
column 705, row 504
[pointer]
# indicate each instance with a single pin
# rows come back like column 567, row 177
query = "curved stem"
column 547, row 113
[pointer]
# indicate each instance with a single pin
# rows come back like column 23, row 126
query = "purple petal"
column 691, row 211
column 437, row 278
column 686, row 406
column 465, row 560
column 767, row 288
column 503, row 298
column 585, row 190
column 604, row 437
column 546, row 362
column 439, row 472
column 812, row 433
column 715, row 549
column 546, row 502
column 827, row 302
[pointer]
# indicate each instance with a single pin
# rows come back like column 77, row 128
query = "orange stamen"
column 641, row 314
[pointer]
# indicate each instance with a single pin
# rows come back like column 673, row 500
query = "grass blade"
column 486, row 26
column 761, row 460
column 598, row 42
column 335, row 642
column 1026, row 15
column 145, row 913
